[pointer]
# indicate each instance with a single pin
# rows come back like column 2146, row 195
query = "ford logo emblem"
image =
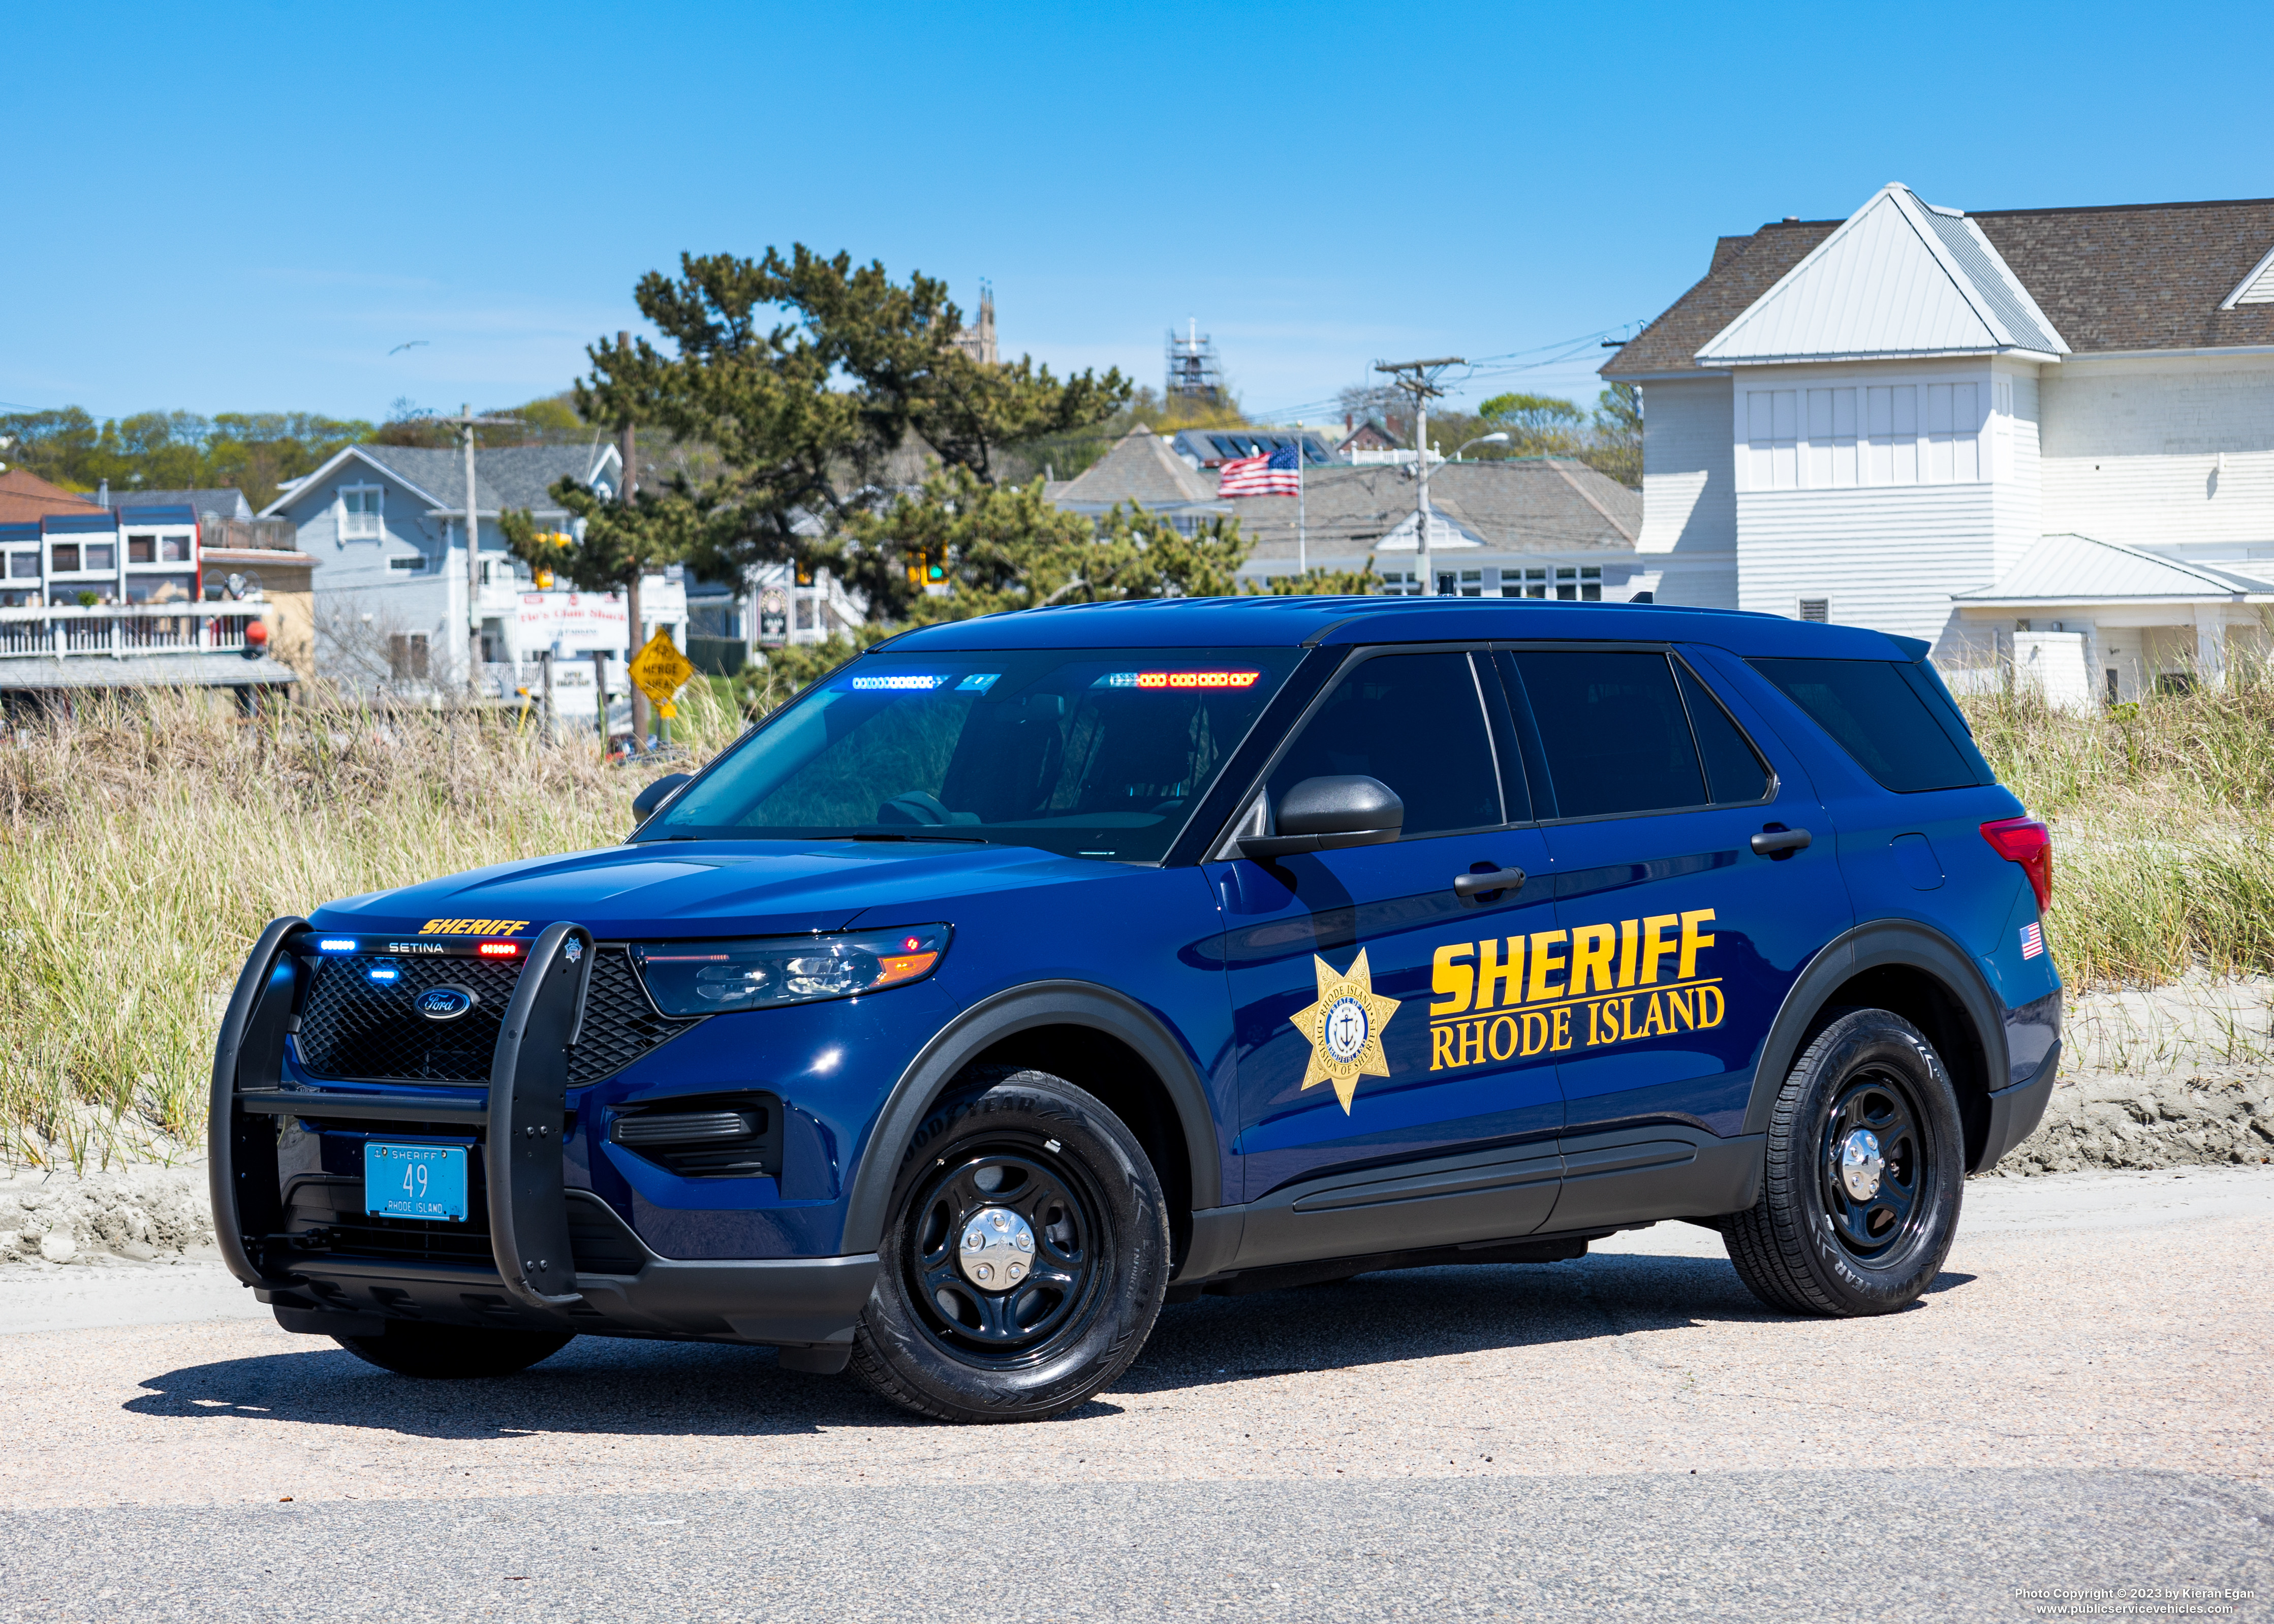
column 444, row 1003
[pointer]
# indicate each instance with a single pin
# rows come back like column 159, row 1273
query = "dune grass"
column 144, row 839
column 2162, row 815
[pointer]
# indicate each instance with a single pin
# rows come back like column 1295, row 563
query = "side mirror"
column 1323, row 814
column 656, row 793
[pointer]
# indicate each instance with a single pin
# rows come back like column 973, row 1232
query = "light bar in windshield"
column 1178, row 678
column 899, row 682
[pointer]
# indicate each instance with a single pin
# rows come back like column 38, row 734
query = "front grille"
column 352, row 1027
column 620, row 1024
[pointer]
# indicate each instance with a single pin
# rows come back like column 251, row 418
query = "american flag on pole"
column 1278, row 474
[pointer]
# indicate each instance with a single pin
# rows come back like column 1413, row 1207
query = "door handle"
column 1499, row 879
column 1775, row 842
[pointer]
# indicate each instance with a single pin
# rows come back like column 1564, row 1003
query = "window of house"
column 174, row 549
column 1834, row 439
column 1581, row 584
column 1773, row 439
column 1832, row 459
column 142, row 549
column 1523, row 582
column 23, row 567
column 62, row 557
column 1473, row 583
column 102, row 555
column 406, row 656
column 1953, row 438
column 408, row 561
column 1400, row 583
column 361, row 513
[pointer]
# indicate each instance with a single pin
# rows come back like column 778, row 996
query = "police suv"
column 1031, row 972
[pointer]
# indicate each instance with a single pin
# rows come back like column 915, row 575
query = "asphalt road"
column 2080, row 1405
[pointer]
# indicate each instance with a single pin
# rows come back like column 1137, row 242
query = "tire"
column 1826, row 1237
column 453, row 1352
column 1061, row 1172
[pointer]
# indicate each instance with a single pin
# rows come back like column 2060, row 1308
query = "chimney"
column 103, row 496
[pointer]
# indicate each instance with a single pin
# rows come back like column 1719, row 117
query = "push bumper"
column 537, row 1226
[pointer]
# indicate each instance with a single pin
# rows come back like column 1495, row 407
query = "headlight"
column 752, row 972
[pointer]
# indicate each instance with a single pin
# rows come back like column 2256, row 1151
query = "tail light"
column 2030, row 843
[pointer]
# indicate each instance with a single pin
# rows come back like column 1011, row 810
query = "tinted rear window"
column 1613, row 730
column 1879, row 717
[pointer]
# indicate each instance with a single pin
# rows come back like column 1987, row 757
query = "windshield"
column 1088, row 753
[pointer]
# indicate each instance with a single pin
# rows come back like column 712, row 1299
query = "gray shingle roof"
column 507, row 477
column 1140, row 468
column 1743, row 268
column 2139, row 276
column 2127, row 276
column 1543, row 505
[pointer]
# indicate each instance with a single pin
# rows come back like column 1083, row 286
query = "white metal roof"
column 1899, row 278
column 2076, row 569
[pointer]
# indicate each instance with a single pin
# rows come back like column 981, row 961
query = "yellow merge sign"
column 660, row 669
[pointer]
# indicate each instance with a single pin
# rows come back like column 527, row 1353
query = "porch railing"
column 123, row 631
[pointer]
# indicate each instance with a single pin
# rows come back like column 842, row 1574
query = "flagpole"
column 1302, row 542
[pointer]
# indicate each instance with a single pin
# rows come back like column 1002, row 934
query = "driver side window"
column 1413, row 721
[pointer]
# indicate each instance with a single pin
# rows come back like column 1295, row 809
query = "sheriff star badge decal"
column 1345, row 1028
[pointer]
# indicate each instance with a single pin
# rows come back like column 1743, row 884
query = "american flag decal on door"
column 2033, row 940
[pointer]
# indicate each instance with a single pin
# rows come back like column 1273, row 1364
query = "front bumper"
column 559, row 1260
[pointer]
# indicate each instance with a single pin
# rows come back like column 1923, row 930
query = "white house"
column 2048, row 425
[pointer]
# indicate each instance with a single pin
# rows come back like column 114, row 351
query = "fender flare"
column 1876, row 945
column 1015, row 1010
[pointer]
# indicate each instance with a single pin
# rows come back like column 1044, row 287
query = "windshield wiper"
column 954, row 839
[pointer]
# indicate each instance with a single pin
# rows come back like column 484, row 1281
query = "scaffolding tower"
column 1193, row 371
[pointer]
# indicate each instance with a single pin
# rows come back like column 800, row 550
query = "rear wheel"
column 414, row 1348
column 1026, row 1258
column 1866, row 1168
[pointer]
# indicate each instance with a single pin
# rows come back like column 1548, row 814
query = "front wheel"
column 417, row 1348
column 1026, row 1258
column 1866, row 1166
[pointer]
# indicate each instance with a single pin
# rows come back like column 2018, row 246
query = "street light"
column 1498, row 439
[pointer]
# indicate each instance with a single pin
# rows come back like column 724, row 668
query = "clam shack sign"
column 576, row 622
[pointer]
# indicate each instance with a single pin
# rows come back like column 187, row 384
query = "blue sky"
column 246, row 207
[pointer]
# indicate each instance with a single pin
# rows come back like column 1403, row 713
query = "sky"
column 256, row 207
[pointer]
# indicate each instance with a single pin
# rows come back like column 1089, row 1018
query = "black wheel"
column 1025, row 1260
column 412, row 1348
column 1866, row 1167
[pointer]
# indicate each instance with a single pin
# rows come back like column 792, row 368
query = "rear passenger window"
column 1414, row 722
column 1613, row 729
column 1734, row 771
column 1879, row 718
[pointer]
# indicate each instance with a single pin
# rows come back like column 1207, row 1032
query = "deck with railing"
column 124, row 631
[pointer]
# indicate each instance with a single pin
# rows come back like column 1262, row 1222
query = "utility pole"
column 466, row 420
column 1419, row 379
column 628, row 447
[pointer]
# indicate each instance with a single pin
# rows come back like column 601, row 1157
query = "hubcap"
column 1860, row 1163
column 997, row 1250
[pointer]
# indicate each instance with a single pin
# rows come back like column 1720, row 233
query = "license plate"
column 415, row 1181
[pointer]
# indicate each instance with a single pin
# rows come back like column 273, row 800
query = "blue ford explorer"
column 1031, row 972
